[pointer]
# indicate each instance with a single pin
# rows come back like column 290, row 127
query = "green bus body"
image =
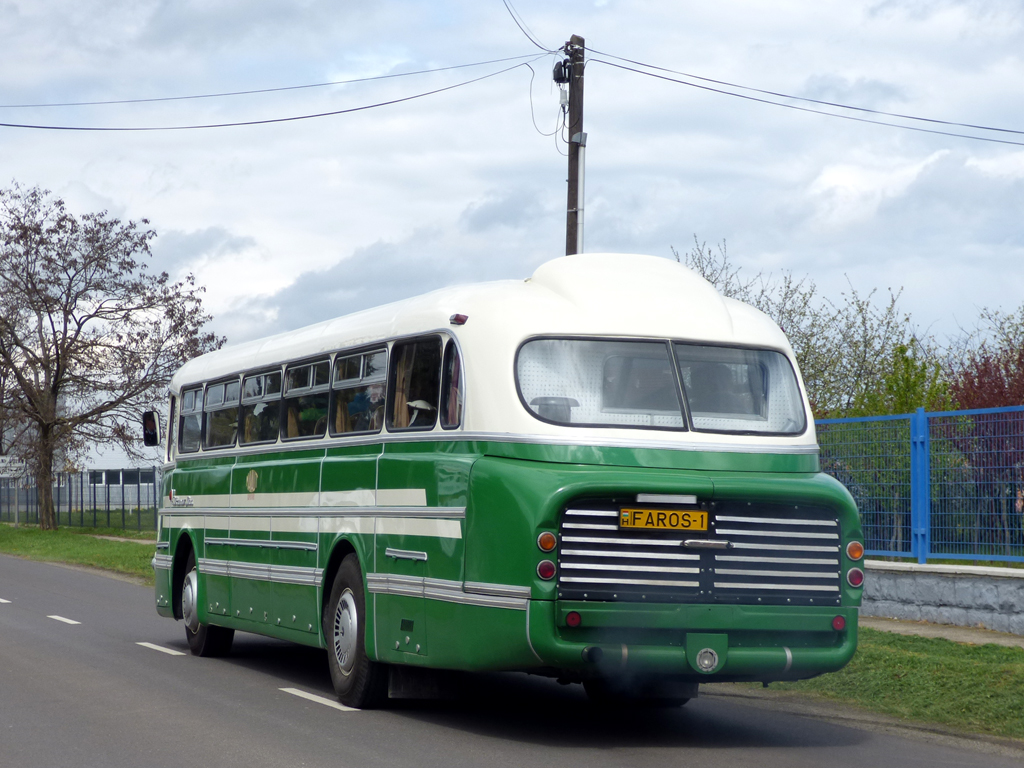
column 495, row 499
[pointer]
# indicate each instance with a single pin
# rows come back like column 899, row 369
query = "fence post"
column 920, row 486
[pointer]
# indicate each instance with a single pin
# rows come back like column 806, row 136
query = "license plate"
column 664, row 519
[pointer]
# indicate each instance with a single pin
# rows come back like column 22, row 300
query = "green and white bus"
column 606, row 473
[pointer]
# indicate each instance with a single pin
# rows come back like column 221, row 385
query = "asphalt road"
column 87, row 694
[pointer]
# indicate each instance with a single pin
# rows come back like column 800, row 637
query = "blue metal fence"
column 939, row 485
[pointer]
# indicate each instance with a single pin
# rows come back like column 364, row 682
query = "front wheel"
column 203, row 639
column 359, row 682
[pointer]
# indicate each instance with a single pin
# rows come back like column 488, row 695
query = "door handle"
column 405, row 554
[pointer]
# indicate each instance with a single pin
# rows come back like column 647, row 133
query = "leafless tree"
column 88, row 337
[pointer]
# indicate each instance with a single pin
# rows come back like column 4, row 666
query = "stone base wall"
column 964, row 596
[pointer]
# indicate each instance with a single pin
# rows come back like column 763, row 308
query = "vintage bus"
column 606, row 473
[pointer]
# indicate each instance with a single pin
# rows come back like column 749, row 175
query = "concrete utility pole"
column 574, row 49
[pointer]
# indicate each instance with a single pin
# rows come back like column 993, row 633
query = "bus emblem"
column 250, row 482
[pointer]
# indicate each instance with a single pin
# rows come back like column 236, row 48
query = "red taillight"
column 546, row 541
column 458, row 319
column 855, row 550
column 573, row 619
column 855, row 577
column 546, row 570
column 839, row 623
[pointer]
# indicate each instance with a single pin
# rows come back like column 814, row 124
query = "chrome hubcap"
column 346, row 631
column 189, row 592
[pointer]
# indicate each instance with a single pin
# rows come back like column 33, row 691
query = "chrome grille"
column 775, row 554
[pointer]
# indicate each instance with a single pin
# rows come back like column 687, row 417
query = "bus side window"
column 415, row 384
column 306, row 395
column 190, row 425
column 261, row 408
column 451, row 388
column 359, row 383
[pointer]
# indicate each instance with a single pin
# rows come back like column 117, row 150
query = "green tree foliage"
column 88, row 337
column 909, row 379
column 986, row 366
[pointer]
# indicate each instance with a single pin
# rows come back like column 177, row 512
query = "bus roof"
column 593, row 294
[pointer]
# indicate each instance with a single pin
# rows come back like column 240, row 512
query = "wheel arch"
column 341, row 549
column 182, row 549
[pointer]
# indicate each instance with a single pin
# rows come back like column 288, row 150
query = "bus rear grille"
column 772, row 554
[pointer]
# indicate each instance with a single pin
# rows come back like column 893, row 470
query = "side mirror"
column 150, row 429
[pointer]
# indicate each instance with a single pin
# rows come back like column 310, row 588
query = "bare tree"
column 88, row 338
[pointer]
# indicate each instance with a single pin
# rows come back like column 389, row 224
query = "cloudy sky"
column 293, row 222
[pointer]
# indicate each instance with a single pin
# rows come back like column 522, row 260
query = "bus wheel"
column 203, row 639
column 359, row 682
column 636, row 694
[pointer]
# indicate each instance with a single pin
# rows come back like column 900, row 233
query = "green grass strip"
column 975, row 688
column 79, row 548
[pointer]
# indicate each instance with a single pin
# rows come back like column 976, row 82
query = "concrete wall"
column 962, row 595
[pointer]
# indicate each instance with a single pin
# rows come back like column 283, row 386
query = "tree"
column 986, row 366
column 911, row 378
column 844, row 349
column 88, row 337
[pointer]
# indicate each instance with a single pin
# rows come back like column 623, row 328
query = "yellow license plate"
column 664, row 519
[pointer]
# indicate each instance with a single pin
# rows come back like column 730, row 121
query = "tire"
column 358, row 682
column 635, row 694
column 203, row 639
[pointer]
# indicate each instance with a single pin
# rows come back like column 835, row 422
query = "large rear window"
column 645, row 384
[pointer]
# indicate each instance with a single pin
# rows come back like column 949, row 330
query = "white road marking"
column 318, row 699
column 4, row 602
column 61, row 618
column 168, row 651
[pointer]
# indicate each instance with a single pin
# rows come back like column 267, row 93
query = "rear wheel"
column 358, row 681
column 203, row 639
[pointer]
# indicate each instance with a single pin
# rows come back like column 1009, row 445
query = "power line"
column 814, row 111
column 269, row 120
column 264, row 90
column 522, row 26
column 809, row 100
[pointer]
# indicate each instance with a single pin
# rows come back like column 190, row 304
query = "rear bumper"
column 749, row 642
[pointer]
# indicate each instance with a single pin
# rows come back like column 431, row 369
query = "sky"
column 290, row 223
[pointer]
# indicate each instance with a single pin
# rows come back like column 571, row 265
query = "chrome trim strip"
column 278, row 574
column 309, row 546
column 499, row 590
column 439, row 589
column 779, row 534
column 789, row 658
column 591, row 526
column 707, row 544
column 163, row 545
column 784, row 547
column 630, row 555
column 405, row 554
column 162, row 562
column 447, row 513
column 801, row 587
column 784, row 574
column 665, row 498
column 615, row 540
column 631, row 568
column 598, row 580
column 774, row 520
column 592, row 512
column 775, row 560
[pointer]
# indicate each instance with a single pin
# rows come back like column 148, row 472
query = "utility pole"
column 574, row 50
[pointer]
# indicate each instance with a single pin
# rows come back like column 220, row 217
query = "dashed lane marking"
column 318, row 699
column 4, row 602
column 168, row 651
column 61, row 618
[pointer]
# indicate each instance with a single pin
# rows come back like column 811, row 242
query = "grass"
column 969, row 688
column 78, row 547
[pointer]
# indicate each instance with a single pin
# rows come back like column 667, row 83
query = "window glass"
column 305, row 414
column 358, row 404
column 740, row 390
column 214, row 395
column 221, row 427
column 600, row 383
column 347, row 368
column 231, row 392
column 190, row 424
column 375, row 364
column 451, row 388
column 415, row 384
column 261, row 408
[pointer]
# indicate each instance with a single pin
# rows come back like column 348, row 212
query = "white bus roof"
column 593, row 294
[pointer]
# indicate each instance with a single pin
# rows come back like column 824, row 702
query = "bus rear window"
column 644, row 384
